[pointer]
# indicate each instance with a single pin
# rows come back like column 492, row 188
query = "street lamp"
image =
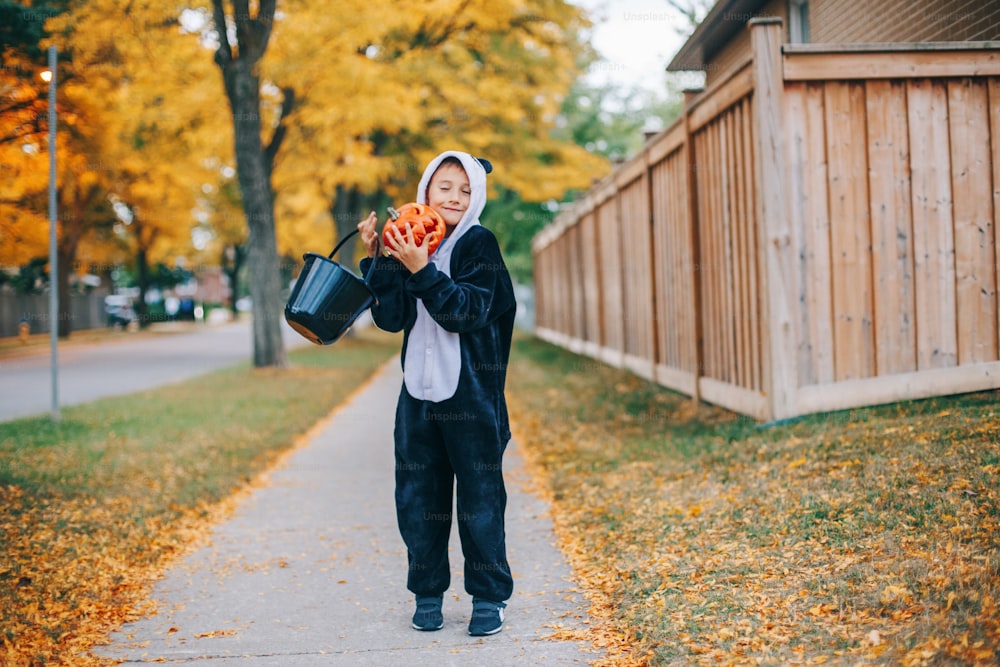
column 49, row 76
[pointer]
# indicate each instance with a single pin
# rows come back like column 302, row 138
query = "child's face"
column 449, row 193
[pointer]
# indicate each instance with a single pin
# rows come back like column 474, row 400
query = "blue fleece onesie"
column 457, row 315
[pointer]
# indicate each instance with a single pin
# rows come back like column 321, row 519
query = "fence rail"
column 817, row 232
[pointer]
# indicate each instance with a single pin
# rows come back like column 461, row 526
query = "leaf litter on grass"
column 864, row 537
column 95, row 508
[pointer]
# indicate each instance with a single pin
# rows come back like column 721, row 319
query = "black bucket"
column 326, row 298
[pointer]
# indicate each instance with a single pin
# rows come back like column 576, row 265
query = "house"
column 818, row 231
column 721, row 40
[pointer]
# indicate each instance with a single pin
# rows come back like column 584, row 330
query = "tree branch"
column 224, row 54
column 287, row 104
column 265, row 22
column 244, row 32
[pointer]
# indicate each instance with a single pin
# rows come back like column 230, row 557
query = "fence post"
column 691, row 183
column 775, row 247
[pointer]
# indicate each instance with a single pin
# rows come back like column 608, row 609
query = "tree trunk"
column 142, row 278
column 71, row 228
column 66, row 258
column 253, row 170
column 258, row 206
column 232, row 261
column 346, row 216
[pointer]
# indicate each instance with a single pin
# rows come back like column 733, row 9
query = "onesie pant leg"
column 424, row 481
column 476, row 451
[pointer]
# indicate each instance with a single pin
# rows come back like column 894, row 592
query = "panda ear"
column 487, row 165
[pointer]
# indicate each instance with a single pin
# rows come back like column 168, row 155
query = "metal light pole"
column 53, row 253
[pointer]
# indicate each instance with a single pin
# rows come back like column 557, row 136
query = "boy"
column 456, row 308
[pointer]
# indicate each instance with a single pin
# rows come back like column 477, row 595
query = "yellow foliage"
column 151, row 97
column 379, row 88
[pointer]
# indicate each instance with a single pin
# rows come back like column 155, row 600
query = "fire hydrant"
column 23, row 329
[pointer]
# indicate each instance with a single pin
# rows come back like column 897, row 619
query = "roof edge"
column 722, row 21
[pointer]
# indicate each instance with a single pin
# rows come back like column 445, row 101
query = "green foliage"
column 515, row 222
column 22, row 27
column 31, row 278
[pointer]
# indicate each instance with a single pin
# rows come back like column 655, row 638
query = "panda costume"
column 457, row 315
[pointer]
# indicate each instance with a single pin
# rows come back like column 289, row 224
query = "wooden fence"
column 817, row 232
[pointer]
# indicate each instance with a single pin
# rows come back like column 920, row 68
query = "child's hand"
column 368, row 234
column 406, row 250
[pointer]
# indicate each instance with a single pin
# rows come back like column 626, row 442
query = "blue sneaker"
column 487, row 617
column 428, row 614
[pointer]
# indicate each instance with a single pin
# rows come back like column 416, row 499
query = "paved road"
column 310, row 570
column 91, row 371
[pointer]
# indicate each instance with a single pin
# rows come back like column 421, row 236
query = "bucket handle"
column 378, row 242
column 342, row 242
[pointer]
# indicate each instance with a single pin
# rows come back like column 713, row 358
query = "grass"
column 860, row 537
column 94, row 507
column 867, row 536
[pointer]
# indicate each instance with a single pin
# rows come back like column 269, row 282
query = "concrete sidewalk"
column 310, row 570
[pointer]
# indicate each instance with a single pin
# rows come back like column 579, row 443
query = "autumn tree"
column 398, row 82
column 149, row 124
column 23, row 132
column 24, row 149
column 239, row 60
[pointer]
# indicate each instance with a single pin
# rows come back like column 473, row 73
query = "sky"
column 637, row 38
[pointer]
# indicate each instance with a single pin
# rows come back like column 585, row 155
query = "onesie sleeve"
column 478, row 292
column 395, row 307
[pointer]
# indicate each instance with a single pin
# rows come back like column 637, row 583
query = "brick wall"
column 836, row 21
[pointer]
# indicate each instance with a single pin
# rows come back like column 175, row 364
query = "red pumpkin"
column 425, row 222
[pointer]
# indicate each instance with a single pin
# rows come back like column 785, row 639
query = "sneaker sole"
column 423, row 629
column 487, row 633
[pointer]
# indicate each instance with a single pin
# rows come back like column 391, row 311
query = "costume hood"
column 477, row 201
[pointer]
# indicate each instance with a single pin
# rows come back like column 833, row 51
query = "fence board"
column 756, row 279
column 589, row 266
column 685, row 259
column 639, row 351
column 892, row 227
column 741, row 253
column 575, row 268
column 993, row 87
column 854, row 354
column 708, row 214
column 671, row 263
column 611, row 276
column 728, row 191
column 814, row 254
column 893, row 65
column 659, row 182
column 933, row 238
column 720, row 262
column 975, row 240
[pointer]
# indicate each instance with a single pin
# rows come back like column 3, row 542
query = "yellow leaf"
column 795, row 464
